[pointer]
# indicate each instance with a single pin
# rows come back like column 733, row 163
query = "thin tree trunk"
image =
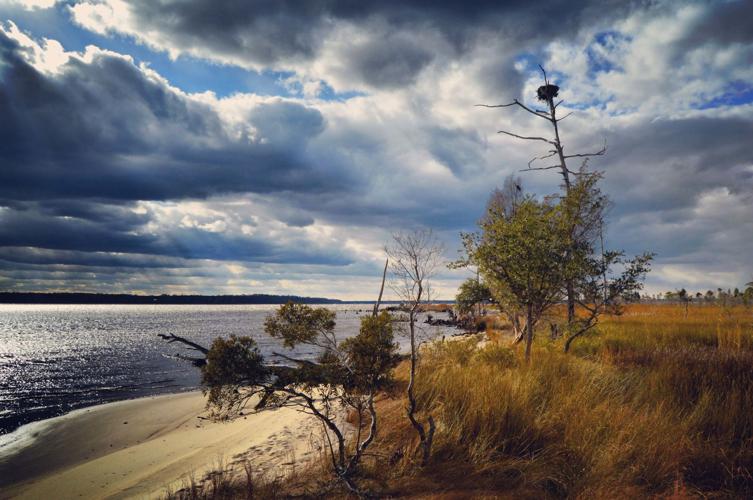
column 381, row 290
column 425, row 439
column 568, row 342
column 570, row 303
column 566, row 178
column 529, row 332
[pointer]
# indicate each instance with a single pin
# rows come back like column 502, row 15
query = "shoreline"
column 140, row 447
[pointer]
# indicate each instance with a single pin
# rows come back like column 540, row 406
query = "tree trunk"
column 381, row 290
column 570, row 303
column 566, row 178
column 568, row 342
column 529, row 332
column 411, row 410
column 425, row 439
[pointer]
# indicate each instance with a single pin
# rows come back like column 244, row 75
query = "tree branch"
column 174, row 338
column 543, row 157
column 516, row 102
column 541, row 168
column 527, row 138
column 381, row 290
column 294, row 360
column 586, row 155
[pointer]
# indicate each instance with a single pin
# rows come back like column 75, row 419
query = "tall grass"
column 655, row 403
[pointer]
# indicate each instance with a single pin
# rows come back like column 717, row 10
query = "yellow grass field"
column 655, row 403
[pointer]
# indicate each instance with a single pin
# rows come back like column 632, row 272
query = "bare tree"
column 547, row 94
column 415, row 258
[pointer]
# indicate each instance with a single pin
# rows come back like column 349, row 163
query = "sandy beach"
column 138, row 448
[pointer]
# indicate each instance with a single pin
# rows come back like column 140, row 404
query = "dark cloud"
column 262, row 33
column 457, row 149
column 27, row 229
column 109, row 175
column 106, row 130
column 667, row 164
column 731, row 22
column 393, row 62
column 15, row 256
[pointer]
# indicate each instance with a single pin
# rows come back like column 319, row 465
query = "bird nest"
column 547, row 92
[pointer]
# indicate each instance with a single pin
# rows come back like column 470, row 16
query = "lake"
column 57, row 358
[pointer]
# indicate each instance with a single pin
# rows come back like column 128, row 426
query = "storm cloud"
column 113, row 177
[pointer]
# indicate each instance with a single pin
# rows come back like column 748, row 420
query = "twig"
column 551, row 153
column 541, row 168
column 586, row 155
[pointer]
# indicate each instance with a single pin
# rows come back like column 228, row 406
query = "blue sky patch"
column 735, row 94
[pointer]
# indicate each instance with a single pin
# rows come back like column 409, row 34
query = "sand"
column 137, row 448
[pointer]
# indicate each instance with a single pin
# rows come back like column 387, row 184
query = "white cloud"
column 31, row 4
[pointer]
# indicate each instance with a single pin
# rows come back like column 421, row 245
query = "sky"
column 238, row 147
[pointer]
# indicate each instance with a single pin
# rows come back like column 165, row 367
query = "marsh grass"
column 656, row 403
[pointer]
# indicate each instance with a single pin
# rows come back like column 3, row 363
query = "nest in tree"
column 547, row 92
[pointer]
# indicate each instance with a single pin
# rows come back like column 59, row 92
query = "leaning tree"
column 344, row 375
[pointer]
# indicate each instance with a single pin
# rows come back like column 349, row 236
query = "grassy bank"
column 657, row 403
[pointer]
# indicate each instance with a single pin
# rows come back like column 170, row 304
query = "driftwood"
column 199, row 362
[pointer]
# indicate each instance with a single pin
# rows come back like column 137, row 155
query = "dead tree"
column 547, row 94
column 415, row 258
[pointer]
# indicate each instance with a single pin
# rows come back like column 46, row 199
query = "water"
column 56, row 358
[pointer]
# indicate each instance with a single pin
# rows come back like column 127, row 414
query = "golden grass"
column 656, row 403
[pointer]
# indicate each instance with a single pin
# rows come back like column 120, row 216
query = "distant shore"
column 143, row 446
column 124, row 298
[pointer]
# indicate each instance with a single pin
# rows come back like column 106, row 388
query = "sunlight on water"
column 55, row 358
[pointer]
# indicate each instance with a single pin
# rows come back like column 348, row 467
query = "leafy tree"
column 600, row 291
column 472, row 292
column 522, row 257
column 591, row 280
column 533, row 258
column 748, row 293
column 502, row 203
column 344, row 375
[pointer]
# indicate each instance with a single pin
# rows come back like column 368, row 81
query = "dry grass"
column 656, row 404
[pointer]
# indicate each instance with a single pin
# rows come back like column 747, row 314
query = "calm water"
column 56, row 358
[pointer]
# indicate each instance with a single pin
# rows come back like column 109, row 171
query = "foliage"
column 522, row 258
column 344, row 375
column 471, row 293
column 371, row 355
column 541, row 252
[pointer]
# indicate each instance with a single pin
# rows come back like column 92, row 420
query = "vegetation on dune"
column 650, row 404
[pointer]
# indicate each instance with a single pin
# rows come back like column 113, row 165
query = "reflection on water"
column 55, row 358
